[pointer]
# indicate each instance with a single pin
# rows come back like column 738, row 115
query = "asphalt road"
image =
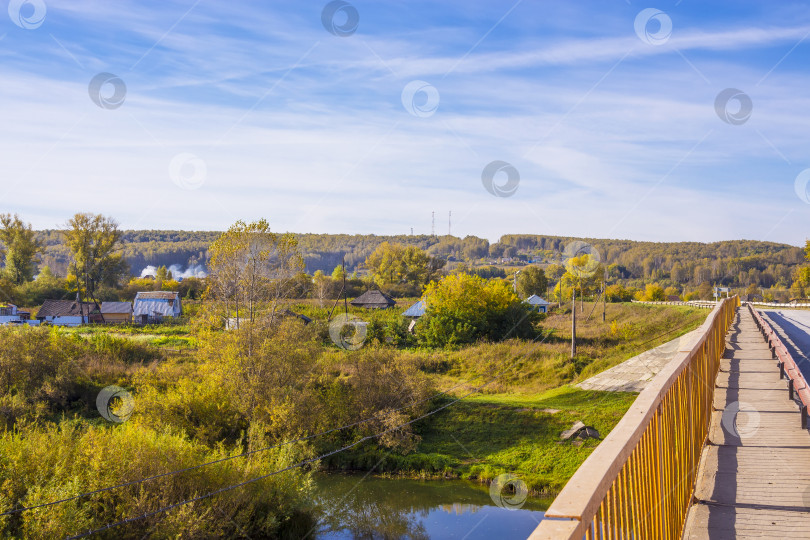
column 795, row 323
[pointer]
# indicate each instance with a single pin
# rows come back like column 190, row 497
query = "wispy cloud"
column 307, row 138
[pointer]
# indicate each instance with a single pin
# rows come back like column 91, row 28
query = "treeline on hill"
column 736, row 263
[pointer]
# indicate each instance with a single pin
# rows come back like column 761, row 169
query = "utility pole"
column 573, row 322
column 514, row 281
column 604, row 296
column 449, row 222
column 345, row 297
column 581, row 299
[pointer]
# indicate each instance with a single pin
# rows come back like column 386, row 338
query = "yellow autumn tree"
column 464, row 308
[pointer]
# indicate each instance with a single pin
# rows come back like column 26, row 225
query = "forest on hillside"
column 732, row 263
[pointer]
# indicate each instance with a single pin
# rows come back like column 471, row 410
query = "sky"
column 674, row 121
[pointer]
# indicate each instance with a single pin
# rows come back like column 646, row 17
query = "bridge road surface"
column 754, row 474
column 794, row 324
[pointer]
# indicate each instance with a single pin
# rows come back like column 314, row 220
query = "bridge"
column 715, row 447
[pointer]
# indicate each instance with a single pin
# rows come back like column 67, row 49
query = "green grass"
column 513, row 425
column 173, row 342
column 484, row 436
column 181, row 329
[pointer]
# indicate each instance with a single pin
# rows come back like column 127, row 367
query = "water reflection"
column 351, row 507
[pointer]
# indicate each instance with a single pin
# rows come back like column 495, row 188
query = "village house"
column 373, row 299
column 416, row 310
column 69, row 313
column 539, row 304
column 154, row 306
column 9, row 314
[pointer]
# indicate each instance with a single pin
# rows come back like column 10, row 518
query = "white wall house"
column 68, row 313
column 9, row 314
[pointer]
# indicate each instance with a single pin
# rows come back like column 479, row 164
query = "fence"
column 638, row 482
column 693, row 303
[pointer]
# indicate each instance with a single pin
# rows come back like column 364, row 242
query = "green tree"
column 801, row 282
column 463, row 308
column 253, row 269
column 322, row 287
column 583, row 272
column 339, row 273
column 705, row 291
column 46, row 287
column 395, row 263
column 163, row 274
column 531, row 280
column 21, row 249
column 617, row 293
column 676, row 273
column 94, row 241
column 555, row 271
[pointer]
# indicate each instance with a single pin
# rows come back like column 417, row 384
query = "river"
column 353, row 507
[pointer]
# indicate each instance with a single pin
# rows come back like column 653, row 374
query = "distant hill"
column 732, row 262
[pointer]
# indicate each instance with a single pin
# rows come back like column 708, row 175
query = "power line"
column 294, row 466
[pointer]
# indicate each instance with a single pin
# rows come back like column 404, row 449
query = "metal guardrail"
column 693, row 303
column 782, row 305
column 638, row 482
column 797, row 384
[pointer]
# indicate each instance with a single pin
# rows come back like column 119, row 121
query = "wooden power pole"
column 573, row 322
column 604, row 296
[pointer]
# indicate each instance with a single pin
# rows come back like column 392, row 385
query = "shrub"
column 122, row 349
column 462, row 308
column 45, row 464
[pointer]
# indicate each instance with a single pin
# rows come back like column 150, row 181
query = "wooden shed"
column 116, row 312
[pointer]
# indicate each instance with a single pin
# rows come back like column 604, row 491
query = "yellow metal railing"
column 638, row 482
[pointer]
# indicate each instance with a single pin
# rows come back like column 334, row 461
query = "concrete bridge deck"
column 754, row 475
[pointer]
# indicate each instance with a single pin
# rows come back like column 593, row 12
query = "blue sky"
column 254, row 109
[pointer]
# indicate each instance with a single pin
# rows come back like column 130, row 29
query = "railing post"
column 790, row 389
column 781, row 370
column 804, row 416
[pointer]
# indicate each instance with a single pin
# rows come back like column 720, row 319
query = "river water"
column 353, row 507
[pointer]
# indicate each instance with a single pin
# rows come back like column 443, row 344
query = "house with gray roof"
column 154, row 306
column 117, row 312
column 373, row 299
column 69, row 313
column 416, row 310
column 540, row 305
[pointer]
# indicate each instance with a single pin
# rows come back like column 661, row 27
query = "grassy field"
column 523, row 393
column 512, row 425
column 487, row 435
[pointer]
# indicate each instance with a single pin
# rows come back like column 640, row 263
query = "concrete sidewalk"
column 634, row 374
